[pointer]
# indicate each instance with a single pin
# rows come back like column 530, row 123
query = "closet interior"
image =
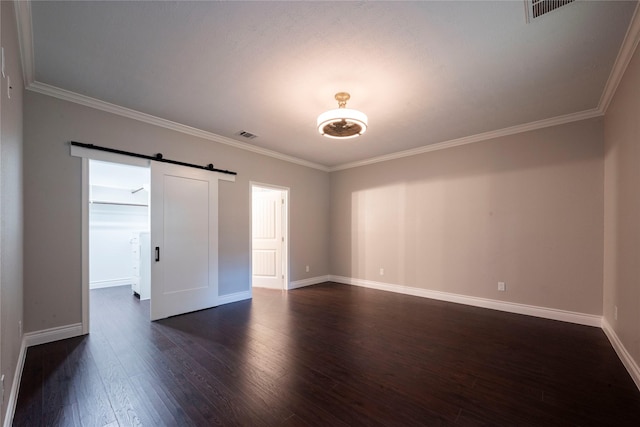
column 119, row 241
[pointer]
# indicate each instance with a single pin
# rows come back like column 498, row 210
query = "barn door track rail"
column 158, row 157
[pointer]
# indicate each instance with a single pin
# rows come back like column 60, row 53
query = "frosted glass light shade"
column 342, row 123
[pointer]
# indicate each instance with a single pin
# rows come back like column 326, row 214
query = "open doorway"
column 269, row 236
column 183, row 224
column 119, row 236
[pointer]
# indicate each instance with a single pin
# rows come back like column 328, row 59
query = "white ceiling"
column 115, row 175
column 424, row 72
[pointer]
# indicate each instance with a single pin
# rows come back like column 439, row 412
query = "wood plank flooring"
column 325, row 355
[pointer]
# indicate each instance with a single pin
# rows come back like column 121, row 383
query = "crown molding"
column 25, row 36
column 627, row 49
column 625, row 54
column 87, row 101
column 25, row 40
column 540, row 124
column 27, row 55
column 77, row 98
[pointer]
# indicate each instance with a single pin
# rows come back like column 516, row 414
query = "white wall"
column 114, row 219
column 111, row 228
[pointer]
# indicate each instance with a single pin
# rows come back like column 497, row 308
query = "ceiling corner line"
column 525, row 127
column 87, row 101
column 627, row 49
column 24, row 24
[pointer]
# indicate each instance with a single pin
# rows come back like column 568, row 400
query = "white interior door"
column 268, row 238
column 184, row 240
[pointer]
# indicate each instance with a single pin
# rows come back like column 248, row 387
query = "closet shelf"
column 100, row 202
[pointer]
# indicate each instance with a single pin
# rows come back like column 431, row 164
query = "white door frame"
column 285, row 219
column 88, row 154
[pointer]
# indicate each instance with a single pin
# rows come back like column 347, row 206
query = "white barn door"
column 184, row 240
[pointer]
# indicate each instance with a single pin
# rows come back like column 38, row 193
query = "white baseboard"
column 53, row 334
column 235, row 297
column 308, row 282
column 511, row 307
column 276, row 286
column 30, row 339
column 64, row 332
column 623, row 354
column 98, row 284
column 15, row 386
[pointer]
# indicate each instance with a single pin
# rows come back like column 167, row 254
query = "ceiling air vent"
column 537, row 8
column 245, row 134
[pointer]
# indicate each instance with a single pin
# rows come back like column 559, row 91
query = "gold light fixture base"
column 342, row 122
column 342, row 98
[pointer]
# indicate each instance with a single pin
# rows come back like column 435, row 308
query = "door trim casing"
column 102, row 156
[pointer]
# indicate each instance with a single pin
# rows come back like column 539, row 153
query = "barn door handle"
column 157, row 253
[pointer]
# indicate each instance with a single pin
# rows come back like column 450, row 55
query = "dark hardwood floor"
column 326, row 355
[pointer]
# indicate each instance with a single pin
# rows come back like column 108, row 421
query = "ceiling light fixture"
column 342, row 122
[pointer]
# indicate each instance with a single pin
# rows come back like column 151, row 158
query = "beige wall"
column 622, row 210
column 53, row 209
column 526, row 209
column 10, row 203
column 539, row 210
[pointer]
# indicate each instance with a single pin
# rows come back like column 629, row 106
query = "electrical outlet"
column 307, row 268
column 20, row 327
column 615, row 312
column 382, row 271
column 502, row 286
